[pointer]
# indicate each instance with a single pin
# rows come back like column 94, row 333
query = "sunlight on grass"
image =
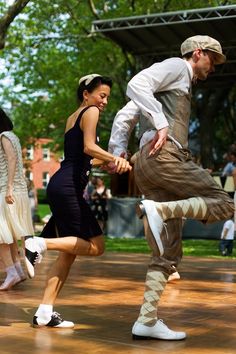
column 196, row 247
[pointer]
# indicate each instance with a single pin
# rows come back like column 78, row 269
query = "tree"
column 6, row 20
column 51, row 46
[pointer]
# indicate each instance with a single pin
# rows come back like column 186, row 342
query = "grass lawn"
column 43, row 209
column 196, row 247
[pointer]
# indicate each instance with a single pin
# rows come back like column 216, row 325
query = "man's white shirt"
column 174, row 74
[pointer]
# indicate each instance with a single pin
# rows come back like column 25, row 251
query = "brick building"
column 40, row 162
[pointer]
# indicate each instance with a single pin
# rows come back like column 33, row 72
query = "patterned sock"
column 155, row 284
column 194, row 208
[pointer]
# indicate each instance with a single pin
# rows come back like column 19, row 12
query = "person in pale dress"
column 15, row 214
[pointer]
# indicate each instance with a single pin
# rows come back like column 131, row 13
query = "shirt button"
column 87, row 173
column 91, row 162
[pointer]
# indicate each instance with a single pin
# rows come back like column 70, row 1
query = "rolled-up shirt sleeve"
column 123, row 124
column 158, row 77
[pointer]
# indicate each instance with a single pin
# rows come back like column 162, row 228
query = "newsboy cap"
column 204, row 43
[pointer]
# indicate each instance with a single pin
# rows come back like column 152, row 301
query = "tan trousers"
column 172, row 175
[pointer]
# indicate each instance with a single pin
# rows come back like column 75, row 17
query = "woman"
column 72, row 219
column 15, row 215
column 99, row 202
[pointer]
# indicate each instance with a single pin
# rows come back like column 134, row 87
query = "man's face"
column 205, row 64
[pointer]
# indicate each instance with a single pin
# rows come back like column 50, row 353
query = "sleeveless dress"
column 71, row 214
column 15, row 219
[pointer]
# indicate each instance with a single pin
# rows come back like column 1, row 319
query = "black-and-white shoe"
column 34, row 250
column 55, row 322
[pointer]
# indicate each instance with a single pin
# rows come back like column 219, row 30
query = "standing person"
column 175, row 187
column 72, row 230
column 99, row 202
column 89, row 189
column 227, row 238
column 32, row 192
column 15, row 216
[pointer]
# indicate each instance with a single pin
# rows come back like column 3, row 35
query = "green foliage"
column 50, row 46
column 43, row 210
column 42, row 196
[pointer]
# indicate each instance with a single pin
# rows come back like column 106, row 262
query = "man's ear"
column 196, row 55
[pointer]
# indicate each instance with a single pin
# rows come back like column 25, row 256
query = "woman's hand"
column 122, row 165
column 9, row 195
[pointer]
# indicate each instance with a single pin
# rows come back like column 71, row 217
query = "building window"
column 45, row 180
column 46, row 154
column 30, row 152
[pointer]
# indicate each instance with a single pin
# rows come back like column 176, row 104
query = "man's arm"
column 141, row 88
column 123, row 124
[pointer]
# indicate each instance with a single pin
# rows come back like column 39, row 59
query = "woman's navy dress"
column 71, row 215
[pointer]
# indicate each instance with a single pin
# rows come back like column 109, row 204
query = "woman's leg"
column 56, row 278
column 77, row 246
column 36, row 246
column 16, row 259
column 69, row 248
column 12, row 277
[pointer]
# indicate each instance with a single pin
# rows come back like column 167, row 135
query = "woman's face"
column 98, row 97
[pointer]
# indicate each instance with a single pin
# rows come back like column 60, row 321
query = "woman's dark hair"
column 96, row 82
column 5, row 122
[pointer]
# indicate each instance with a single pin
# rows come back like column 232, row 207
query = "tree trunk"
column 207, row 110
column 9, row 17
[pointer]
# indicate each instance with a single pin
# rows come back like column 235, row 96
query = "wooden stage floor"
column 103, row 295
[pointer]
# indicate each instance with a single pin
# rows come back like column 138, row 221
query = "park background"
column 47, row 46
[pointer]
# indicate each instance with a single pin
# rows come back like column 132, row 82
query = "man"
column 175, row 187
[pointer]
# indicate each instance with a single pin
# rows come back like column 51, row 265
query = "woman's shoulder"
column 10, row 135
column 89, row 110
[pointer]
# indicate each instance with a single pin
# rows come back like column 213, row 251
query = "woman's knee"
column 97, row 246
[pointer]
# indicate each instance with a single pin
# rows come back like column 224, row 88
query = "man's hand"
column 120, row 165
column 158, row 141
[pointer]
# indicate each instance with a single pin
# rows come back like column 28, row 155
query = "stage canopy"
column 158, row 36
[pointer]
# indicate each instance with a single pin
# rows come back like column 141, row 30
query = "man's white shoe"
column 155, row 221
column 158, row 331
column 174, row 276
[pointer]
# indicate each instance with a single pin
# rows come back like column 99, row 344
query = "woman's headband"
column 88, row 78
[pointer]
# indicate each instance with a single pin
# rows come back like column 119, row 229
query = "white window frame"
column 30, row 152
column 45, row 179
column 46, row 154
